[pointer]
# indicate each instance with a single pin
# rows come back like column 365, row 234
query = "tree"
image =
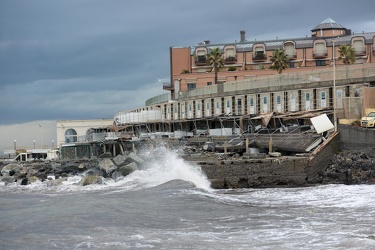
column 279, row 61
column 216, row 60
column 346, row 54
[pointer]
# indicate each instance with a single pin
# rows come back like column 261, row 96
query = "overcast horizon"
column 79, row 59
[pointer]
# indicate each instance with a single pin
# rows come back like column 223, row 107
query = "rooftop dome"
column 328, row 24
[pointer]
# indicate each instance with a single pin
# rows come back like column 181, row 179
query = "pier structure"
column 242, row 106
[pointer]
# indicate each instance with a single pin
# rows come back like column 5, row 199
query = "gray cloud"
column 80, row 59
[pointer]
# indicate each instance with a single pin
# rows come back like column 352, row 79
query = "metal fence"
column 352, row 108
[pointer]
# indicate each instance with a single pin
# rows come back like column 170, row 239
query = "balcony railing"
column 259, row 57
column 320, row 53
column 323, row 74
column 167, row 86
column 360, row 52
column 230, row 59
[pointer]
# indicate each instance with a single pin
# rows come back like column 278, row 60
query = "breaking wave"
column 162, row 166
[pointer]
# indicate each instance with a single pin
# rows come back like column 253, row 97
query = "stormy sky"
column 87, row 59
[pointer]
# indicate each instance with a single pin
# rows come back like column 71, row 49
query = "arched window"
column 70, row 136
column 290, row 50
column 359, row 47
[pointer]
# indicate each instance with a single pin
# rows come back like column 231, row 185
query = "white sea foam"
column 166, row 166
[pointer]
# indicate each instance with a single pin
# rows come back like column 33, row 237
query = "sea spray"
column 161, row 165
column 164, row 165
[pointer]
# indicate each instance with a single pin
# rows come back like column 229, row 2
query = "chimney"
column 243, row 39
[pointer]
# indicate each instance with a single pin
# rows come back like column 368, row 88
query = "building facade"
column 247, row 59
column 195, row 106
column 72, row 131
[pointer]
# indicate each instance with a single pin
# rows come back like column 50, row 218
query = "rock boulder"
column 107, row 166
column 91, row 179
column 10, row 169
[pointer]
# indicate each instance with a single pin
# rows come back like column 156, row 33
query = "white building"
column 71, row 131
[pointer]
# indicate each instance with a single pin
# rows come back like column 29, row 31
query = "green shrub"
column 232, row 68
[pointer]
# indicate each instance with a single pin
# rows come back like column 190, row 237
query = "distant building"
column 196, row 107
column 72, row 131
column 311, row 83
column 246, row 59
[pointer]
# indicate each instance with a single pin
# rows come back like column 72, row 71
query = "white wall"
column 80, row 126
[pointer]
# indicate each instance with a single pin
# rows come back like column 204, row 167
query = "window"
column 239, row 106
column 320, row 49
column 208, row 106
column 291, row 65
column 265, row 99
column 217, row 104
column 189, row 107
column 359, row 47
column 308, row 97
column 323, row 95
column 199, row 106
column 290, row 50
column 201, row 56
column 209, row 83
column 252, row 102
column 228, row 103
column 278, row 100
column 320, row 63
column 259, row 52
column 339, row 98
column 230, row 52
column 191, row 86
column 70, row 136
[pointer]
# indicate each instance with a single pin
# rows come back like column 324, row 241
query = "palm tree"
column 215, row 58
column 346, row 54
column 279, row 61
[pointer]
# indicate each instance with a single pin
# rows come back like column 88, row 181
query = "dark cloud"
column 83, row 59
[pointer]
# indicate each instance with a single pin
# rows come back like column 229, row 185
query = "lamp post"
column 334, row 85
column 15, row 146
column 41, row 136
column 34, row 144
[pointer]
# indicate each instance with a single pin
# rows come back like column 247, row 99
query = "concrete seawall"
column 270, row 172
column 356, row 137
column 258, row 173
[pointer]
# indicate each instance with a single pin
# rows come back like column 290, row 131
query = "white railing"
column 317, row 75
column 158, row 99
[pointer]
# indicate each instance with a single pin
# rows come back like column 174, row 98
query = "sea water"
column 169, row 205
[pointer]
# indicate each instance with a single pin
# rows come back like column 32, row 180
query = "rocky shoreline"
column 347, row 167
column 351, row 167
column 55, row 172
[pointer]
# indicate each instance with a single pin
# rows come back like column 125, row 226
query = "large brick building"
column 246, row 59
